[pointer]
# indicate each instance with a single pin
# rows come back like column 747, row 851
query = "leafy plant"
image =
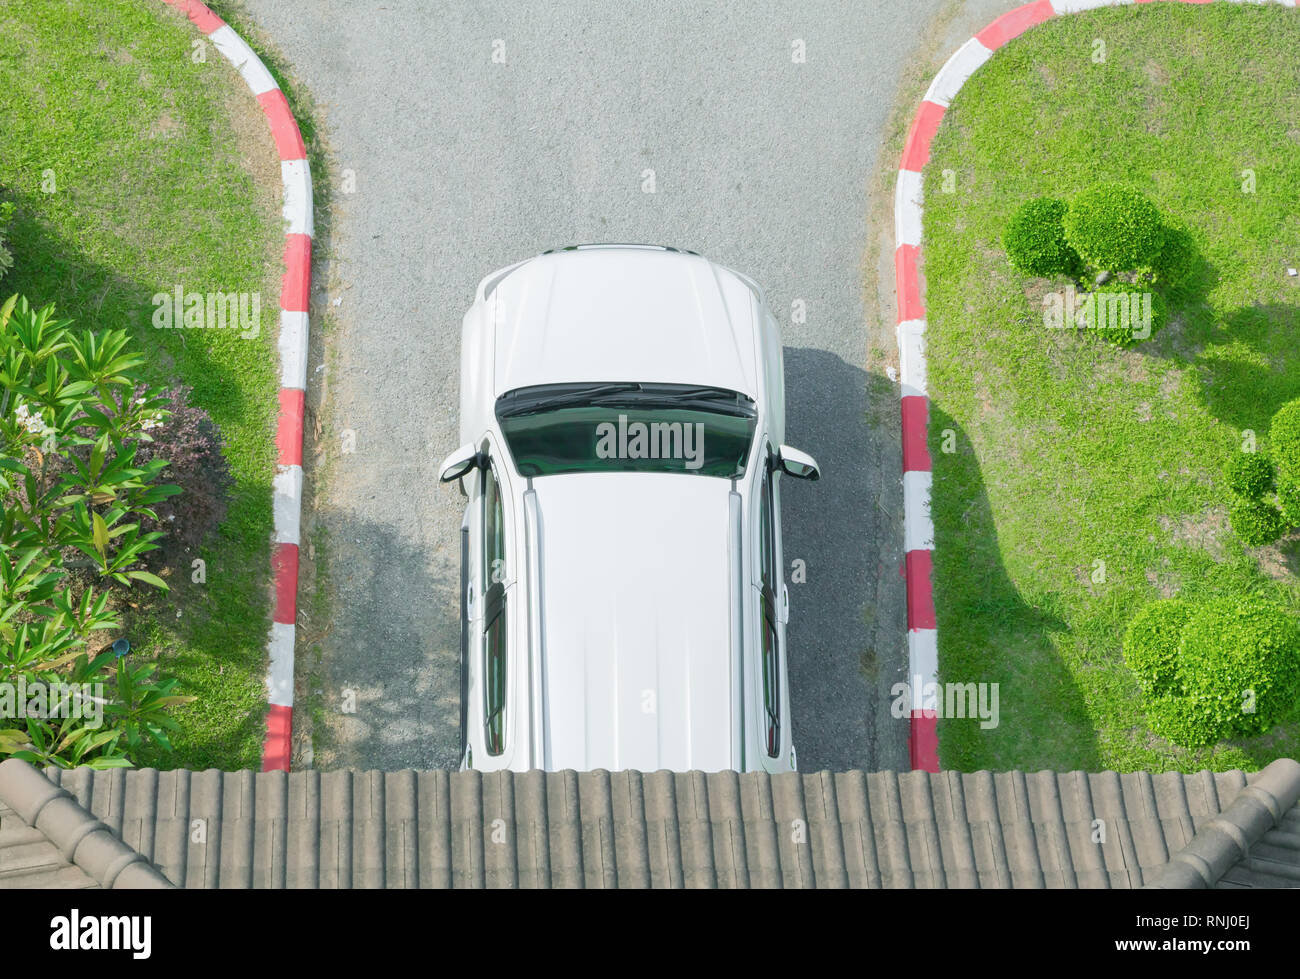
column 1114, row 228
column 1250, row 475
column 1288, row 498
column 6, row 256
column 188, row 439
column 1256, row 522
column 1174, row 267
column 1034, row 239
column 1151, row 644
column 1238, row 672
column 73, row 416
column 1123, row 314
column 1284, row 438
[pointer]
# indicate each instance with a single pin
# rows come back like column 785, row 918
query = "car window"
column 770, row 651
column 553, row 429
column 494, row 573
column 494, row 531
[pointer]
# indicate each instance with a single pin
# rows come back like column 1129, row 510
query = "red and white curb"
column 918, row 528
column 295, row 291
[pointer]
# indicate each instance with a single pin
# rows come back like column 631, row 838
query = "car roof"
column 624, row 313
column 637, row 599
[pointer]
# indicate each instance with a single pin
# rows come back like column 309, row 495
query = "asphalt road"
column 464, row 164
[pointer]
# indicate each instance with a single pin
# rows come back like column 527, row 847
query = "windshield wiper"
column 630, row 395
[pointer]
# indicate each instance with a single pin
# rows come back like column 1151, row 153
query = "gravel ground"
column 463, row 164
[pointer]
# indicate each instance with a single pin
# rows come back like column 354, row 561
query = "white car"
column 622, row 412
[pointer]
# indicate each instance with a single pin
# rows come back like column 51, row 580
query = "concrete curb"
column 918, row 528
column 295, row 292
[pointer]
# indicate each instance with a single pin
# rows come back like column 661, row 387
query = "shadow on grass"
column 211, row 636
column 988, row 633
column 1252, row 365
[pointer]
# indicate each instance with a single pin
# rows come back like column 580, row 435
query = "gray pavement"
column 463, row 165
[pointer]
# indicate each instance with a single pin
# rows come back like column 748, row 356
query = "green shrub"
column 1151, row 644
column 1188, row 720
column 1177, row 261
column 6, row 256
column 1256, row 522
column 1034, row 239
column 1238, row 673
column 1249, row 474
column 1115, row 228
column 73, row 415
column 187, row 437
column 1284, row 438
column 1288, row 499
column 1117, row 312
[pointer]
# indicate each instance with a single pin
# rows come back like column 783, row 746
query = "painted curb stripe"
column 293, row 349
column 242, row 57
column 968, row 59
column 279, row 737
column 280, row 680
column 920, row 596
column 1011, row 25
column 295, row 296
column 916, row 153
column 297, row 212
column 911, row 358
column 918, row 528
column 288, row 140
column 923, row 745
column 203, row 18
column 286, row 502
column 288, row 438
column 295, row 287
column 284, row 569
column 916, row 420
column 909, row 283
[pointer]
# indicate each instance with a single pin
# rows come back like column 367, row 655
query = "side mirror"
column 798, row 464
column 458, row 464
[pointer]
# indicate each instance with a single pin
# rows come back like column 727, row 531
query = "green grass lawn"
column 152, row 160
column 1069, row 451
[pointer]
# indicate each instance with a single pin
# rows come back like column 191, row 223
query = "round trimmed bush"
column 1115, row 228
column 1151, row 644
column 1034, row 239
column 1284, row 438
column 1177, row 261
column 1288, row 499
column 1249, row 474
column 1238, row 669
column 1189, row 720
column 1117, row 312
column 1256, row 522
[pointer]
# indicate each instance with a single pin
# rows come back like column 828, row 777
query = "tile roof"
column 663, row 829
column 47, row 839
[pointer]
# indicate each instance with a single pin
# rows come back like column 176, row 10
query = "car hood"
column 636, row 621
column 623, row 314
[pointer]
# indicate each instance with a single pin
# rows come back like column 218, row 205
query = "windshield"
column 554, row 429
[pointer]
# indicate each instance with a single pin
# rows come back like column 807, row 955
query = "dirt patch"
column 1278, row 561
column 165, row 127
column 1203, row 531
